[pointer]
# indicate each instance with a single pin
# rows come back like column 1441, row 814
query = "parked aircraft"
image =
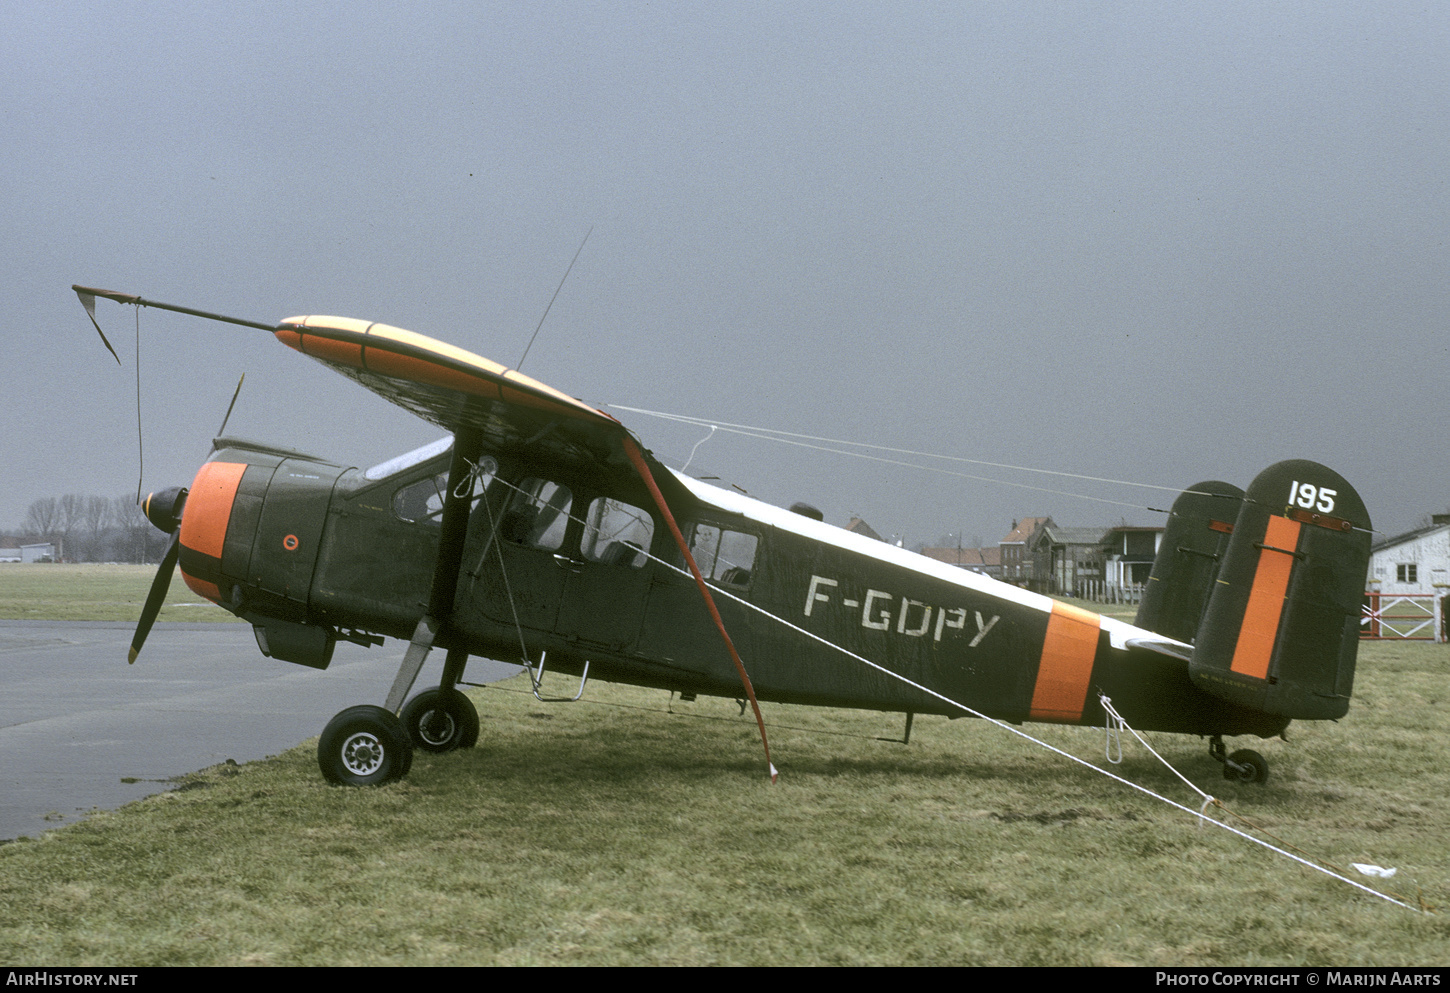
column 542, row 531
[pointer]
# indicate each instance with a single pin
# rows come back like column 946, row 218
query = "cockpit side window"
column 617, row 533
column 725, row 556
column 421, row 501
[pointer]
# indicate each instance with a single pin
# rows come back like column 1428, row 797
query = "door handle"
column 565, row 562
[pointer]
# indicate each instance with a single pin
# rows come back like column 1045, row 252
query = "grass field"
column 94, row 593
column 615, row 832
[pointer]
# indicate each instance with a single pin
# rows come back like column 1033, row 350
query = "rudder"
column 1281, row 631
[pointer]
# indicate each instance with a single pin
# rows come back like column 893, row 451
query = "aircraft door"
column 579, row 571
column 523, row 573
column 678, row 627
column 606, row 586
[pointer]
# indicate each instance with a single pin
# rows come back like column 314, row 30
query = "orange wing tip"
column 131, row 656
column 327, row 321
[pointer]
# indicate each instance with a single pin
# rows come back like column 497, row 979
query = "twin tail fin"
column 1268, row 585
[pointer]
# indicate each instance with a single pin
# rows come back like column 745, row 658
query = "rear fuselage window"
column 725, row 556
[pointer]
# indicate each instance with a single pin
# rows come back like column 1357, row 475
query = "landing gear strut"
column 1243, row 766
column 368, row 746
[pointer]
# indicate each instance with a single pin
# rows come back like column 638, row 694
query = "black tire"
column 440, row 722
column 1251, row 767
column 364, row 746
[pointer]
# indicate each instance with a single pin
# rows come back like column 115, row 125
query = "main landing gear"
column 364, row 746
column 369, row 746
column 1243, row 766
column 440, row 720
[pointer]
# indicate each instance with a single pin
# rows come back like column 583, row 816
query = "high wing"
column 493, row 406
column 455, row 389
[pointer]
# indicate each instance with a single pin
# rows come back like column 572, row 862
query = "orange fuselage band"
column 1067, row 664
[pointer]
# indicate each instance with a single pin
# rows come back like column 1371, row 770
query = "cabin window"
column 725, row 556
column 538, row 516
column 1407, row 572
column 422, row 501
column 616, row 533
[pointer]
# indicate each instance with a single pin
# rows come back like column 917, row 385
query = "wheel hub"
column 362, row 754
column 437, row 727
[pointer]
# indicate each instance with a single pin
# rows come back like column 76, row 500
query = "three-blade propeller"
column 162, row 509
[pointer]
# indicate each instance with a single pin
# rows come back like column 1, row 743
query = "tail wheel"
column 364, row 746
column 439, row 720
column 1246, row 766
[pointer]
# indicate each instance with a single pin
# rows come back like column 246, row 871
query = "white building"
column 40, row 552
column 1128, row 554
column 1416, row 563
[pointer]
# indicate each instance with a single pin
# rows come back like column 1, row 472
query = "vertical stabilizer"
column 1188, row 560
column 1282, row 625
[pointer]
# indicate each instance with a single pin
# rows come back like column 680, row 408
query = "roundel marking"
column 290, row 543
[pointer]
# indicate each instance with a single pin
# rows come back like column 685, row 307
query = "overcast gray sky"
column 1153, row 242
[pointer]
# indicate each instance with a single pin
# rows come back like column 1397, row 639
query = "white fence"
column 1105, row 592
column 1403, row 617
column 1410, row 617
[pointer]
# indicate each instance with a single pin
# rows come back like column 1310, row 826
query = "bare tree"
column 40, row 519
column 71, row 513
column 136, row 530
column 97, row 519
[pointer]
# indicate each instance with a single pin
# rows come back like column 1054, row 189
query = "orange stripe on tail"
column 1255, row 648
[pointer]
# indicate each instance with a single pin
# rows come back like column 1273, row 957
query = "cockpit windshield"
column 407, row 460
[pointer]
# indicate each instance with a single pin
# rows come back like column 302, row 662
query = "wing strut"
column 467, row 443
column 636, row 457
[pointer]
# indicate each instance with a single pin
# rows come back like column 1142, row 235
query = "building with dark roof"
column 858, row 526
column 1017, row 564
column 1064, row 558
column 987, row 561
column 1416, row 563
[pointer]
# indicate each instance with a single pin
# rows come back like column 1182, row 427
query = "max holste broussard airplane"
column 542, row 529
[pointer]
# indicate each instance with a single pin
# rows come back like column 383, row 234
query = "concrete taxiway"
column 81, row 729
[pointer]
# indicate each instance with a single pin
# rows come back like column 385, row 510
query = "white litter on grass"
column 1374, row 870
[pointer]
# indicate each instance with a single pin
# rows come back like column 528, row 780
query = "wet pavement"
column 77, row 723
